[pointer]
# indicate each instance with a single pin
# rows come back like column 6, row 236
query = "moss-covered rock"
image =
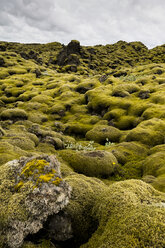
column 31, row 189
column 13, row 114
column 91, row 163
column 150, row 132
column 100, row 133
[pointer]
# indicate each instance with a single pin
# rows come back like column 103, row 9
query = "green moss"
column 37, row 117
column 126, row 122
column 17, row 70
column 9, row 152
column 91, row 163
column 154, row 111
column 159, row 183
column 124, row 214
column 114, row 114
column 139, row 109
column 154, row 164
column 8, row 100
column 150, row 132
column 87, row 85
column 158, row 97
column 42, row 99
column 101, row 132
column 45, row 148
column 13, row 114
column 22, row 142
column 4, row 74
column 76, row 128
column 42, row 244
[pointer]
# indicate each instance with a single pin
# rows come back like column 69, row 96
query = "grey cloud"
column 90, row 21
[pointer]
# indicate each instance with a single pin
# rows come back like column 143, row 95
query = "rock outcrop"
column 31, row 190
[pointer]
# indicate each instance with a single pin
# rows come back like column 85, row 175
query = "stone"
column 59, row 227
column 31, row 190
column 2, row 62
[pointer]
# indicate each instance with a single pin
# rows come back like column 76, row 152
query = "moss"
column 139, row 109
column 114, row 114
column 87, row 85
column 42, row 244
column 126, row 122
column 101, row 132
column 150, row 132
column 13, row 91
column 22, row 142
column 120, row 91
column 124, row 214
column 7, row 100
column 76, row 128
column 158, row 97
column 45, row 148
column 153, row 163
column 159, row 183
column 154, row 111
column 36, row 117
column 9, row 152
column 91, row 163
column 58, row 108
column 4, row 74
column 128, row 151
column 2, row 132
column 17, row 70
column 13, row 114
column 42, row 99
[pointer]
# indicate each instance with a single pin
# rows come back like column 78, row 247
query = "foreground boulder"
column 31, row 190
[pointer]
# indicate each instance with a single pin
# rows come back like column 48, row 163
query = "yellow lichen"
column 32, row 165
column 18, row 186
column 36, row 169
column 57, row 181
column 45, row 178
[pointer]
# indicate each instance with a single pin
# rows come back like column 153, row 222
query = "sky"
column 92, row 22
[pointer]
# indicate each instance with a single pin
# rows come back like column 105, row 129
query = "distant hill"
column 87, row 59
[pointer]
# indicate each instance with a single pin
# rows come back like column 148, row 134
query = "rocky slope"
column 101, row 111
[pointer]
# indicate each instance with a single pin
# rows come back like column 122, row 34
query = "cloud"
column 90, row 21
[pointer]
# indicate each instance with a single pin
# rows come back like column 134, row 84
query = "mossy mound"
column 13, row 114
column 154, row 165
column 150, row 132
column 125, row 214
column 91, row 163
column 100, row 133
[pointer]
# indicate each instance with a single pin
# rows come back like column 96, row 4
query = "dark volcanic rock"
column 2, row 62
column 60, row 227
column 68, row 55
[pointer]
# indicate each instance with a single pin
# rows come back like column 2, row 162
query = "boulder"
column 31, row 190
column 68, row 55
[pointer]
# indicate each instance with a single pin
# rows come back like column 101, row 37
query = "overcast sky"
column 89, row 21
